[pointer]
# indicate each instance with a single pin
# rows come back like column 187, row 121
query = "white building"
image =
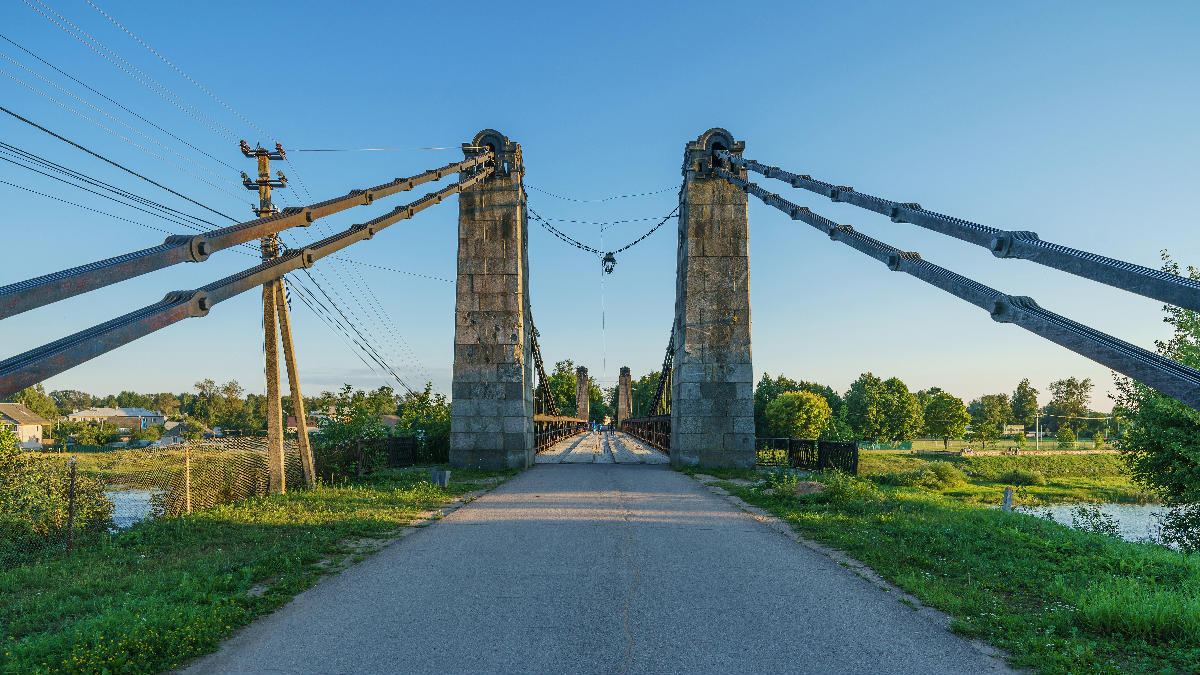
column 125, row 418
column 27, row 425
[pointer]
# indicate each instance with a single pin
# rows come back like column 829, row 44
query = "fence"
column 801, row 453
column 365, row 455
column 653, row 431
column 44, row 501
column 549, row 430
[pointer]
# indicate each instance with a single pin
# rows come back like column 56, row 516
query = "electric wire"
column 114, row 101
column 227, row 134
column 119, row 166
column 105, row 213
column 95, row 182
column 118, row 121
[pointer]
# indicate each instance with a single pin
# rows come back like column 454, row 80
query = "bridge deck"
column 601, row 448
column 575, row 568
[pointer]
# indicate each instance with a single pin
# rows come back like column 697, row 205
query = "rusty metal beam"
column 23, row 296
column 43, row 362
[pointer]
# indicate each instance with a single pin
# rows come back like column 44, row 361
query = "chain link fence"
column 46, row 498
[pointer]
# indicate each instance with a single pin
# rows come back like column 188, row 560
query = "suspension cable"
column 1152, row 283
column 29, row 294
column 1170, row 377
column 50, row 359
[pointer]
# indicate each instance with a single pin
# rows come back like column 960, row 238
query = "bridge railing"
column 550, row 429
column 654, row 431
column 809, row 454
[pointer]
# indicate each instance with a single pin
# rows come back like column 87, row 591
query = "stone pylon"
column 624, row 395
column 583, row 393
column 491, row 422
column 712, row 407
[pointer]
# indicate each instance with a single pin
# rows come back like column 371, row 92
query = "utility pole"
column 276, row 324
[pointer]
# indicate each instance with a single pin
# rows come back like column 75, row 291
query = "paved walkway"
column 601, row 448
column 596, row 568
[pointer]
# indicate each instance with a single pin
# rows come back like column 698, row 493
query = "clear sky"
column 1074, row 120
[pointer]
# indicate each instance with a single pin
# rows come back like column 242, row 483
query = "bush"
column 1021, row 477
column 934, row 476
column 34, row 497
column 1066, row 438
column 842, row 488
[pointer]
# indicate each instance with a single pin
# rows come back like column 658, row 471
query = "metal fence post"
column 71, row 505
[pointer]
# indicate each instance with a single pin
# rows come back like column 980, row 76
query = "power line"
column 113, row 101
column 192, row 113
column 119, row 166
column 49, row 196
column 392, row 269
column 118, row 121
column 66, row 171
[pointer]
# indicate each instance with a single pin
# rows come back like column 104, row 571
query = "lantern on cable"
column 608, row 262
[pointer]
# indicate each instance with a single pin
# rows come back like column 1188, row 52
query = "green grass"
column 149, row 598
column 1058, row 600
column 1068, row 478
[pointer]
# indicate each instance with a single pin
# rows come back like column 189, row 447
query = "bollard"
column 71, row 505
column 1008, row 499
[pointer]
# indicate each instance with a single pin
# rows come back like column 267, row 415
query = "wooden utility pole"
column 277, row 323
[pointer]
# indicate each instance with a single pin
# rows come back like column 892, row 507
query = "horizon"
column 1025, row 117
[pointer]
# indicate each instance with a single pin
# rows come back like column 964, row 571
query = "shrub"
column 934, row 476
column 1066, row 438
column 1021, row 477
column 1090, row 519
column 34, row 497
column 1180, row 527
column 842, row 488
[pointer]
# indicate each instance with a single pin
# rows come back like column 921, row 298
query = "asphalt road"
column 596, row 568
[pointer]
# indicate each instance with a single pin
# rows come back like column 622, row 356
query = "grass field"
column 1057, row 599
column 149, row 598
column 1068, row 478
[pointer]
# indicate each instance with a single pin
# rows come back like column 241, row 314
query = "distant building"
column 125, row 418
column 27, row 425
column 311, row 426
column 1013, row 429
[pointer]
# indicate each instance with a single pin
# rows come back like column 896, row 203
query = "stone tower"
column 491, row 423
column 712, row 408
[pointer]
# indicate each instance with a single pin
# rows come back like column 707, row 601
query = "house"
column 311, row 425
column 27, row 425
column 125, row 418
column 173, row 433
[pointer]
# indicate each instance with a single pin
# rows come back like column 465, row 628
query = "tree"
column 989, row 413
column 425, row 414
column 768, row 389
column 799, row 414
column 561, row 383
column 863, row 402
column 37, row 400
column 900, row 410
column 1025, row 404
column 1069, row 398
column 1065, row 438
column 1162, row 442
column 946, row 417
column 70, row 400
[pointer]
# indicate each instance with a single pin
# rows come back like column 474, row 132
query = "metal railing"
column 550, row 429
column 803, row 453
column 654, row 431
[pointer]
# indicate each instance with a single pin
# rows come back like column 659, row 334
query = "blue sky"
column 1075, row 120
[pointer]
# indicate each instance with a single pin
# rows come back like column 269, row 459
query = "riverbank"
column 150, row 597
column 1058, row 600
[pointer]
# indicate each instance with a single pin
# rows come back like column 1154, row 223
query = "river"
column 1136, row 522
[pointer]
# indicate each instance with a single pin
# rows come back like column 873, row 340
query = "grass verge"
column 149, row 598
column 1057, row 599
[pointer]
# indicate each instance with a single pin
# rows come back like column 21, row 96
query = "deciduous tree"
column 799, row 414
column 946, row 417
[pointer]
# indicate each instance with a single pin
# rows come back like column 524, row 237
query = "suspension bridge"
column 702, row 410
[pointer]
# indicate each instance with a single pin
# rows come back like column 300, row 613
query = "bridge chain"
column 1170, row 288
column 549, row 407
column 1170, row 377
